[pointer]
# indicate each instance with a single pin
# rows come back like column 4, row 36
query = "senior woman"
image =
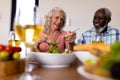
column 53, row 31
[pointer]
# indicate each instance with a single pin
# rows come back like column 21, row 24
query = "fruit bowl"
column 53, row 60
column 11, row 67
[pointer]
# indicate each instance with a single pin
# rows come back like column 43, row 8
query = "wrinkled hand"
column 43, row 38
column 46, row 38
column 70, row 36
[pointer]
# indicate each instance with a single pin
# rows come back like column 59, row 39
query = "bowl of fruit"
column 10, row 57
column 53, row 58
column 8, row 52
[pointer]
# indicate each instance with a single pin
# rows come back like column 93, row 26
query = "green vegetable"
column 112, row 57
column 53, row 48
column 115, row 50
column 91, row 61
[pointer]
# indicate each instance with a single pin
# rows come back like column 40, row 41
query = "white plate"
column 85, row 55
column 90, row 76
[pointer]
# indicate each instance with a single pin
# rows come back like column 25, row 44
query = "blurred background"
column 79, row 13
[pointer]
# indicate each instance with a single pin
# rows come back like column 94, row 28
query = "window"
column 23, row 10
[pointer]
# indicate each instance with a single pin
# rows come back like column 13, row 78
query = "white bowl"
column 85, row 55
column 53, row 60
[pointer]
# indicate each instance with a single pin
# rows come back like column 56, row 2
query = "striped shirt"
column 109, row 37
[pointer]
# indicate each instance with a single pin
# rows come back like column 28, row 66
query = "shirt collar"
column 107, row 32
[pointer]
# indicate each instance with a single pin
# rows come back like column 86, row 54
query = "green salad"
column 53, row 48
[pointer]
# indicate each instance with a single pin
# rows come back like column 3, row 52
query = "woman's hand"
column 70, row 37
column 43, row 38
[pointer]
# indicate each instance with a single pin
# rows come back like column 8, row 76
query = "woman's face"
column 57, row 21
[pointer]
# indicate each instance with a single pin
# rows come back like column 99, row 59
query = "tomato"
column 9, row 49
column 2, row 47
column 17, row 49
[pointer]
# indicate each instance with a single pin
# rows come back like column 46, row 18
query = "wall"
column 80, row 12
column 5, row 13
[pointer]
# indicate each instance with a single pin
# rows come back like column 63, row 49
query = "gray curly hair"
column 107, row 12
column 51, row 13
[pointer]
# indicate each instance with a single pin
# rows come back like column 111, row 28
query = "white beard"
column 101, row 29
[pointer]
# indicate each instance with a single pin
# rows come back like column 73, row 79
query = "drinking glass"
column 13, row 40
column 98, row 39
column 28, row 34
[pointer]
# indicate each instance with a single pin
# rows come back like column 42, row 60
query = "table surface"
column 67, row 73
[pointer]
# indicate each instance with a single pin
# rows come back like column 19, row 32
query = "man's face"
column 100, row 20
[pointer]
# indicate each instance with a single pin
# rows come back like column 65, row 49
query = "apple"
column 2, row 47
column 16, row 55
column 4, row 55
column 9, row 49
column 17, row 49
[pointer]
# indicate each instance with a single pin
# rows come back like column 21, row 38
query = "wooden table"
column 68, row 73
